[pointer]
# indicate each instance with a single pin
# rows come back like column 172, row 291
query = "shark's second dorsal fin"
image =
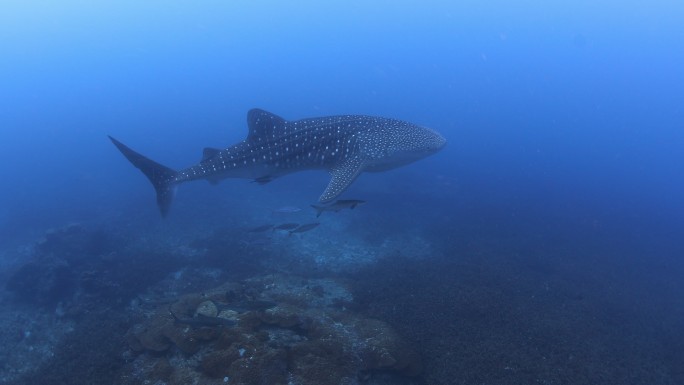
column 263, row 124
column 209, row 153
column 343, row 174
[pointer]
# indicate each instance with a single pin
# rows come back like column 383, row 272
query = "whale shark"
column 343, row 145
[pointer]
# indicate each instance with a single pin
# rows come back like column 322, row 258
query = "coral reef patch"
column 287, row 330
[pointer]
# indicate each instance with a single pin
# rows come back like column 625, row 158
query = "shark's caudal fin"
column 162, row 177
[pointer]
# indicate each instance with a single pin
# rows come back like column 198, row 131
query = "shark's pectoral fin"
column 343, row 174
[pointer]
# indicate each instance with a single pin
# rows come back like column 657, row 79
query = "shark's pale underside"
column 344, row 145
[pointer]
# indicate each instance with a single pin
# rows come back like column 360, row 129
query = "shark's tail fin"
column 162, row 177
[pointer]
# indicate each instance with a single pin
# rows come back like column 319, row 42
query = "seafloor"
column 340, row 304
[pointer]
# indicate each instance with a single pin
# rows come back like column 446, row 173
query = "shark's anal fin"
column 343, row 174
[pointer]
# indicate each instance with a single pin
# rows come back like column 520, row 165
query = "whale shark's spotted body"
column 345, row 145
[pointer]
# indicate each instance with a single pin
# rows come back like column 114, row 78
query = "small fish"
column 305, row 227
column 286, row 226
column 263, row 179
column 287, row 210
column 260, row 229
column 201, row 320
column 244, row 306
column 337, row 206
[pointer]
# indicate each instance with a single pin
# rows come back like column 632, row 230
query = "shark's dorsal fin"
column 209, row 153
column 263, row 124
column 343, row 174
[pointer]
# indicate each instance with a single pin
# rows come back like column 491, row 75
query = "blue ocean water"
column 562, row 173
